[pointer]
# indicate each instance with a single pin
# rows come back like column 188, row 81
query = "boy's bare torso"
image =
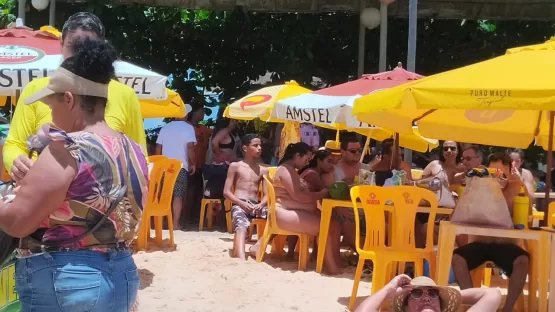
column 247, row 180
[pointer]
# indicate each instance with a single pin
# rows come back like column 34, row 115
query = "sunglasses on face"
column 355, row 150
column 449, row 148
column 418, row 293
column 468, row 158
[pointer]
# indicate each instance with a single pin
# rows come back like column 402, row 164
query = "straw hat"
column 333, row 147
column 450, row 298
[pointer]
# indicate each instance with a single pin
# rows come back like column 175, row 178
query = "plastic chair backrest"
column 271, row 193
column 155, row 158
column 372, row 198
column 416, row 174
column 154, row 178
column 405, row 200
column 171, row 167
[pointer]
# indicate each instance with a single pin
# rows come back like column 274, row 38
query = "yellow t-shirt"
column 123, row 114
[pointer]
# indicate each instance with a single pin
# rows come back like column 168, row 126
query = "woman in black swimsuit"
column 223, row 142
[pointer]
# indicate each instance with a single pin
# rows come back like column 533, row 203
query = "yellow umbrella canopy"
column 172, row 106
column 548, row 45
column 259, row 104
column 502, row 101
column 413, row 140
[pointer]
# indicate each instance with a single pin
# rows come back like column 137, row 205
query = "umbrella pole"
column 366, row 146
column 549, row 166
column 337, row 136
column 396, row 155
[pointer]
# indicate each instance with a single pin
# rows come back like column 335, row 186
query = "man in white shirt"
column 177, row 140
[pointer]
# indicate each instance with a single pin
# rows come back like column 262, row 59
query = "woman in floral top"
column 80, row 204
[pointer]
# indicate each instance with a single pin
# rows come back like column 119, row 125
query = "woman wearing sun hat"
column 421, row 294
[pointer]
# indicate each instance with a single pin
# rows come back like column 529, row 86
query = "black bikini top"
column 229, row 145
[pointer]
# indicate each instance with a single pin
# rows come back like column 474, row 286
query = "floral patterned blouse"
column 105, row 165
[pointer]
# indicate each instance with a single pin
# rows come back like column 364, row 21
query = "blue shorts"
column 81, row 281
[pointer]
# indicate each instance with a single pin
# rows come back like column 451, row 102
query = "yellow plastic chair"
column 155, row 158
column 272, row 228
column 155, row 175
column 207, row 208
column 162, row 208
column 401, row 247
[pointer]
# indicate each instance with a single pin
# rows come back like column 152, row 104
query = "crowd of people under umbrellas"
column 76, row 228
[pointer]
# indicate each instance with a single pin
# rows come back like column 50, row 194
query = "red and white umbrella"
column 28, row 54
column 334, row 104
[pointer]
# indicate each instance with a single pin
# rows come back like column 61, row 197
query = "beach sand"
column 201, row 276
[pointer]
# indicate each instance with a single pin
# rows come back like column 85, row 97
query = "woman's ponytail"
column 292, row 149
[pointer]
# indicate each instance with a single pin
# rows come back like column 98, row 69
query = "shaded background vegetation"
column 229, row 51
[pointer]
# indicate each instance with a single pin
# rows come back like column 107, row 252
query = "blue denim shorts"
column 82, row 281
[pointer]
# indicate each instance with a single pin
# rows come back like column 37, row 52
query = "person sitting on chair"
column 505, row 253
column 245, row 177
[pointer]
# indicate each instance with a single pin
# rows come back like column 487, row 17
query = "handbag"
column 482, row 204
column 435, row 184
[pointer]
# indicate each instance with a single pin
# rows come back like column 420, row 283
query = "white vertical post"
column 383, row 37
column 21, row 10
column 411, row 54
column 361, row 41
column 52, row 13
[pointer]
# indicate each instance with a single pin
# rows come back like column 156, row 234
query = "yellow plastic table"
column 538, row 275
column 327, row 205
column 551, row 302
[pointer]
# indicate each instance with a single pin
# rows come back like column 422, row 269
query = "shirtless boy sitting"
column 241, row 187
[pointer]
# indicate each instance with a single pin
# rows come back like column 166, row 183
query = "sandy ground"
column 201, row 276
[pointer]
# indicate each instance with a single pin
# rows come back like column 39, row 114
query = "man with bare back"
column 241, row 187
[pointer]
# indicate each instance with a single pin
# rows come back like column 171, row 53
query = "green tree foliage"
column 230, row 50
column 6, row 16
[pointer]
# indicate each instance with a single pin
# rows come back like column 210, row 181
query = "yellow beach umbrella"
column 548, row 45
column 413, row 141
column 259, row 104
column 172, row 106
column 502, row 101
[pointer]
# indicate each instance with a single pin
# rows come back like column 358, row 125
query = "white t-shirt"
column 174, row 138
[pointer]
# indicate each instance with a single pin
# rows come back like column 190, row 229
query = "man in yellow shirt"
column 123, row 112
